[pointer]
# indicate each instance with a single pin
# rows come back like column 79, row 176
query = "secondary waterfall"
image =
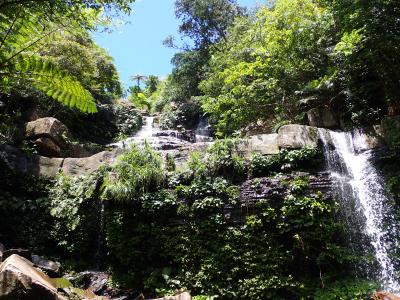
column 203, row 132
column 364, row 201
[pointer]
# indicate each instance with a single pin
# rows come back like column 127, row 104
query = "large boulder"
column 82, row 166
column 18, row 161
column 45, row 264
column 297, row 136
column 322, row 117
column 266, row 144
column 19, row 279
column 49, row 128
column 385, row 296
column 38, row 165
column 53, row 139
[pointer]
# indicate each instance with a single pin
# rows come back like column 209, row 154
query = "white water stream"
column 357, row 178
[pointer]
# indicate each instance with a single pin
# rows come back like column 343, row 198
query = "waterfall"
column 148, row 128
column 203, row 131
column 362, row 195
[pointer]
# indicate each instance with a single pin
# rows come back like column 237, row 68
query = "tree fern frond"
column 55, row 83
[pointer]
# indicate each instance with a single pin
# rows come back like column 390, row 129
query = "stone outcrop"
column 323, row 118
column 19, row 279
column 82, row 166
column 385, row 296
column 45, row 264
column 297, row 136
column 50, row 128
column 18, row 161
column 274, row 190
column 53, row 139
column 266, row 144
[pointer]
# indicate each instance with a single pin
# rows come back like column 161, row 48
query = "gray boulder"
column 49, row 128
column 82, row 166
column 19, row 279
column 53, row 139
column 45, row 264
column 266, row 144
column 181, row 296
column 297, row 136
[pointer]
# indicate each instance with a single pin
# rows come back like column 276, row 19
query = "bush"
column 347, row 289
column 286, row 160
column 136, row 172
column 219, row 160
column 76, row 209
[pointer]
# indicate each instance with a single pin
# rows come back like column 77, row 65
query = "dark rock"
column 91, row 280
column 19, row 279
column 21, row 252
column 46, row 265
column 49, row 128
column 47, row 147
column 18, row 161
column 274, row 190
column 323, row 118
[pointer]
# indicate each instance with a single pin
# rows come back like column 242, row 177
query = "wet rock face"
column 274, row 190
column 20, row 280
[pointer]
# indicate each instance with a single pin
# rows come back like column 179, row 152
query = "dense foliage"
column 191, row 229
column 272, row 66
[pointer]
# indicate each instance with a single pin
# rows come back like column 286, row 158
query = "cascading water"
column 148, row 128
column 203, row 132
column 361, row 191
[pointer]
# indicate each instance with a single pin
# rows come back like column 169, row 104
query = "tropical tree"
column 138, row 78
column 78, row 54
column 206, row 21
column 21, row 38
column 269, row 62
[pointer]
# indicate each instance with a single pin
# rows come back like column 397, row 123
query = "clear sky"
column 137, row 46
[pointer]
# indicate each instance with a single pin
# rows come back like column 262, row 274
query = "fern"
column 21, row 35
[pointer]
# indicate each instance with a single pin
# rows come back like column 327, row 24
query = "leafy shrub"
column 76, row 210
column 219, row 160
column 305, row 158
column 186, row 114
column 347, row 289
column 138, row 171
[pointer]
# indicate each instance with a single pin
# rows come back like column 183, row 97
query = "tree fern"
column 21, row 35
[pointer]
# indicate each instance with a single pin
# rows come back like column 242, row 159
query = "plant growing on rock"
column 136, row 172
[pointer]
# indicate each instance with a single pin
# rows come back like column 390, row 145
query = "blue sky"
column 137, row 46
